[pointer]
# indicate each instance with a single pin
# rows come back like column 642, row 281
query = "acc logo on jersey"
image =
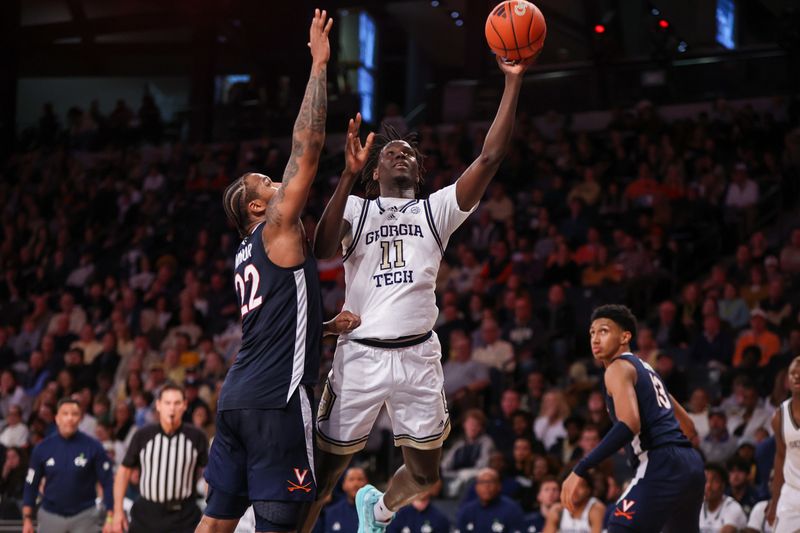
column 301, row 477
column 624, row 509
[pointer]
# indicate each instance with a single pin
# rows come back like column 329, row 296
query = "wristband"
column 109, row 519
column 618, row 436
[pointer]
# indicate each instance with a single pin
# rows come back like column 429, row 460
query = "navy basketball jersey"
column 281, row 329
column 659, row 427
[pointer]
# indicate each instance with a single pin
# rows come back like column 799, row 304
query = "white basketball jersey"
column 391, row 259
column 580, row 524
column 791, row 436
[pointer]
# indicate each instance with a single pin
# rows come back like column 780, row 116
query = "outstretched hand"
column 355, row 154
column 515, row 68
column 318, row 37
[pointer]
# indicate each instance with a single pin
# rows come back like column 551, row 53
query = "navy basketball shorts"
column 262, row 455
column 665, row 495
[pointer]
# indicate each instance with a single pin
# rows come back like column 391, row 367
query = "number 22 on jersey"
column 250, row 274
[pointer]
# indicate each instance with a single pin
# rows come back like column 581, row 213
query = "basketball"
column 515, row 30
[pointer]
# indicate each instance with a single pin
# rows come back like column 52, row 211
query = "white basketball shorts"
column 409, row 381
column 788, row 512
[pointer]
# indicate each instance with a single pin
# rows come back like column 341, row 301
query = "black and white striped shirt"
column 168, row 463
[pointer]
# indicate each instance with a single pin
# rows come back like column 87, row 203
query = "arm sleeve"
column 445, row 213
column 618, row 436
column 32, row 478
column 105, row 475
column 131, row 459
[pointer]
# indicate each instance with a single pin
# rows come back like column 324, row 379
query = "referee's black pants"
column 152, row 517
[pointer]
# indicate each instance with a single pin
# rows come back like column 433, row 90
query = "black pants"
column 152, row 517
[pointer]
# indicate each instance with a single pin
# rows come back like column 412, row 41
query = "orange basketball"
column 515, row 30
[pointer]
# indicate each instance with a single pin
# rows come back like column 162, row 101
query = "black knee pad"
column 276, row 515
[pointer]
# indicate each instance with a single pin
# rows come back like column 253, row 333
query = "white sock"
column 382, row 513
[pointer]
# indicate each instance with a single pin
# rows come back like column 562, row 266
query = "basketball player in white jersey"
column 587, row 517
column 392, row 246
column 784, row 508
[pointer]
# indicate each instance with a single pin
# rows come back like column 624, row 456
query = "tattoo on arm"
column 307, row 136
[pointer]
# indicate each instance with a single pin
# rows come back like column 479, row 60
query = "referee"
column 72, row 463
column 170, row 456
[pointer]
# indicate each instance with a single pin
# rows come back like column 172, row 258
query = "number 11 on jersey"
column 398, row 255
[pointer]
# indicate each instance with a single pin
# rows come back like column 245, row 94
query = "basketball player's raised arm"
column 687, row 426
column 777, row 469
column 308, row 136
column 473, row 182
column 332, row 227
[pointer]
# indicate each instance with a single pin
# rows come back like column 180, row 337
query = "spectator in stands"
column 756, row 289
column 558, row 317
column 464, row 378
column 739, row 486
column 342, row 516
column 588, row 514
column 567, row 448
column 720, row 511
column 499, row 205
column 534, row 391
column 12, row 484
column 698, row 410
column 492, row 511
column 741, row 199
column 713, row 346
column 468, row 454
column 777, row 307
column 600, row 271
column 500, row 428
column 12, row 394
column 523, row 331
column 751, row 416
column 549, row 425
column 669, row 331
column 732, row 308
column 790, row 255
column 547, row 498
column 420, row 516
column 15, row 433
column 758, row 334
column 495, row 352
column 719, row 445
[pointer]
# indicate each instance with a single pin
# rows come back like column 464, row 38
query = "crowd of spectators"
column 117, row 260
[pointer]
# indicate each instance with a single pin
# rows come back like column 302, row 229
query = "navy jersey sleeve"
column 105, row 474
column 33, row 477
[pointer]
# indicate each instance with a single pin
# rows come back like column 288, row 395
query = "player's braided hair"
column 620, row 314
column 234, row 201
column 378, row 144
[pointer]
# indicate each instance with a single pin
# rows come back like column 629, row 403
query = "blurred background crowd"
column 117, row 260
